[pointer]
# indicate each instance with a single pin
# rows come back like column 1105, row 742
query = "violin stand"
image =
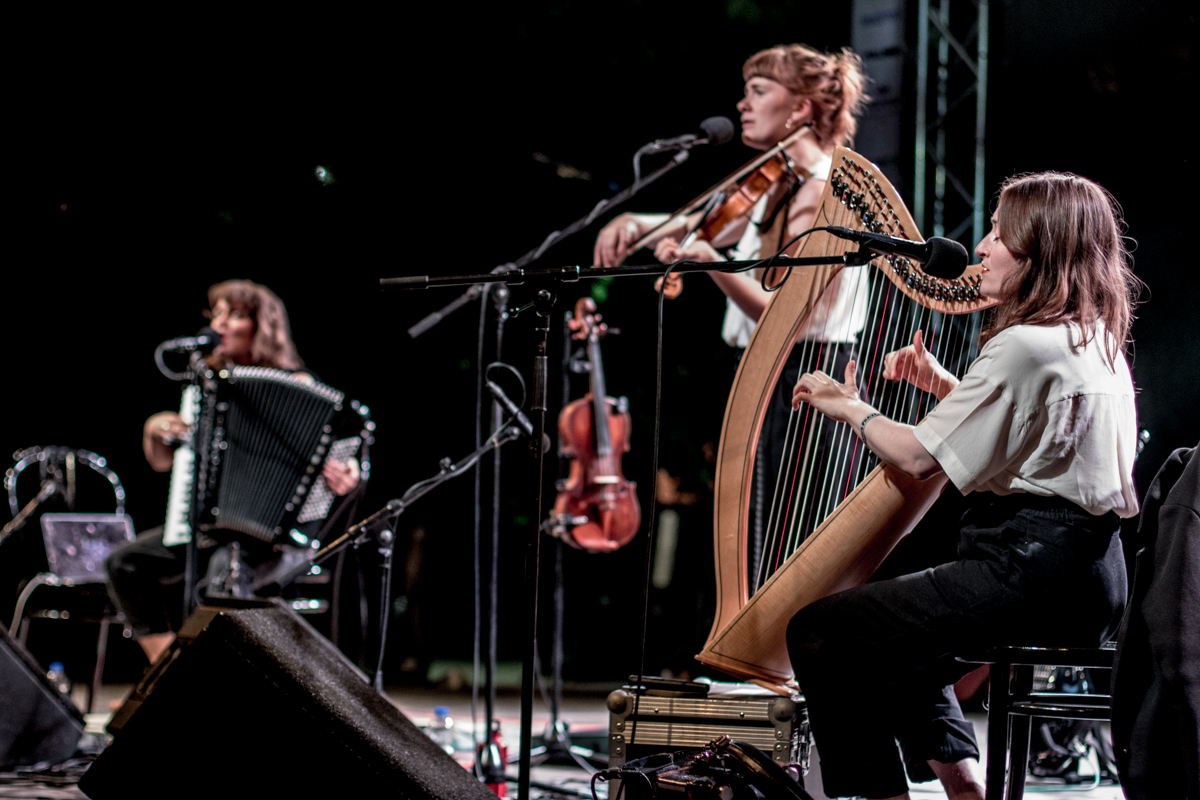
column 556, row 739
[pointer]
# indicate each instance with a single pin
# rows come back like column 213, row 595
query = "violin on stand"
column 596, row 508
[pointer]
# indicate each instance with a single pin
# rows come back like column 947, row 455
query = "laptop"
column 78, row 544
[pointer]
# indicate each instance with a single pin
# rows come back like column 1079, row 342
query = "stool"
column 1012, row 704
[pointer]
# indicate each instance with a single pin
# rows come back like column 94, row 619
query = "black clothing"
column 1156, row 672
column 888, row 648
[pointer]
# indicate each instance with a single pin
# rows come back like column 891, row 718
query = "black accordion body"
column 262, row 437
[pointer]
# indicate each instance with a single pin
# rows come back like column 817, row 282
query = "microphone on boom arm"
column 942, row 257
column 205, row 341
column 714, row 131
column 197, row 346
column 517, row 415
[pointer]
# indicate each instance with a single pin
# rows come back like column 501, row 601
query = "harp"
column 830, row 524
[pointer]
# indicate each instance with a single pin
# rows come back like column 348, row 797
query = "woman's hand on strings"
column 826, row 395
column 917, row 366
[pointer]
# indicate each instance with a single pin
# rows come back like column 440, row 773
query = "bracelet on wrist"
column 862, row 426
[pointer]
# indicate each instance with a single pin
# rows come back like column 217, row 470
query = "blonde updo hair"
column 833, row 82
column 272, row 344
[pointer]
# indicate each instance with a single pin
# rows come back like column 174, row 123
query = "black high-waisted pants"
column 877, row 663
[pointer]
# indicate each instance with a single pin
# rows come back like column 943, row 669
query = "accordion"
column 260, row 438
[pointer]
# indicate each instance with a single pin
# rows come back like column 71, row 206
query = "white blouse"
column 1036, row 414
column 840, row 313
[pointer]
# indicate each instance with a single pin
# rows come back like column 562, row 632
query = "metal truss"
column 952, row 65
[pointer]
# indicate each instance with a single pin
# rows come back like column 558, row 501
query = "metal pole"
column 922, row 98
column 980, row 205
column 939, row 148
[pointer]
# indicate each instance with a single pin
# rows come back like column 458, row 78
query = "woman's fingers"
column 667, row 250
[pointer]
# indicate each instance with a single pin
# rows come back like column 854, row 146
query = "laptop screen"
column 78, row 544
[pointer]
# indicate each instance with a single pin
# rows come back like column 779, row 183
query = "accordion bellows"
column 264, row 436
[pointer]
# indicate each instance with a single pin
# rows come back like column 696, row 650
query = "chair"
column 76, row 545
column 1013, row 702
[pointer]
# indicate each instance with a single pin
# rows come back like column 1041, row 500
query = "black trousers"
column 145, row 582
column 145, row 579
column 877, row 663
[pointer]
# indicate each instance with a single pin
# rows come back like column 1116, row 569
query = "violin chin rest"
column 590, row 537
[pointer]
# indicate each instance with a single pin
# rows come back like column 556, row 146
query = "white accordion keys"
column 177, row 529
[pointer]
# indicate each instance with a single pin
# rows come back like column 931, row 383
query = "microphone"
column 714, row 131
column 510, row 407
column 515, row 412
column 205, row 341
column 942, row 257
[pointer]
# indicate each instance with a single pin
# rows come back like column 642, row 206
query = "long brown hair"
column 272, row 344
column 833, row 82
column 1072, row 262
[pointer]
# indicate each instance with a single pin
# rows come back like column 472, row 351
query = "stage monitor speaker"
column 37, row 722
column 253, row 702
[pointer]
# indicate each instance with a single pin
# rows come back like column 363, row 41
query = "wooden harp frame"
column 748, row 634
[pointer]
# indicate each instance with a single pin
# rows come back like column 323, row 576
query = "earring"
column 788, row 124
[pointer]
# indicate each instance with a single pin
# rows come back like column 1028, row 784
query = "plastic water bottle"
column 441, row 730
column 57, row 676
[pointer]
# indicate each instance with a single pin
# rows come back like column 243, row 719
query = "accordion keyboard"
column 177, row 529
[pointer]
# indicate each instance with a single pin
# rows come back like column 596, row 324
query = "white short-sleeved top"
column 840, row 313
column 1036, row 414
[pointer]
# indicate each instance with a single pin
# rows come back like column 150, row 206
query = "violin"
column 596, row 508
column 730, row 199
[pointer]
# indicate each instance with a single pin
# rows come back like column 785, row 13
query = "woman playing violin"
column 812, row 99
column 789, row 88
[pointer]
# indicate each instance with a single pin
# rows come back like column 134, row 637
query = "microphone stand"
column 381, row 526
column 542, row 305
column 554, row 236
column 493, row 769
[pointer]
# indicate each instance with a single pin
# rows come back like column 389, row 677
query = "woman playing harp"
column 1041, row 433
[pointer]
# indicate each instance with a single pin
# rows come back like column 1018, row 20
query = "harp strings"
column 823, row 461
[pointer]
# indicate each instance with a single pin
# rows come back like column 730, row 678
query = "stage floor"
column 586, row 716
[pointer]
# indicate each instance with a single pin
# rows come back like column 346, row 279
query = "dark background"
column 153, row 164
